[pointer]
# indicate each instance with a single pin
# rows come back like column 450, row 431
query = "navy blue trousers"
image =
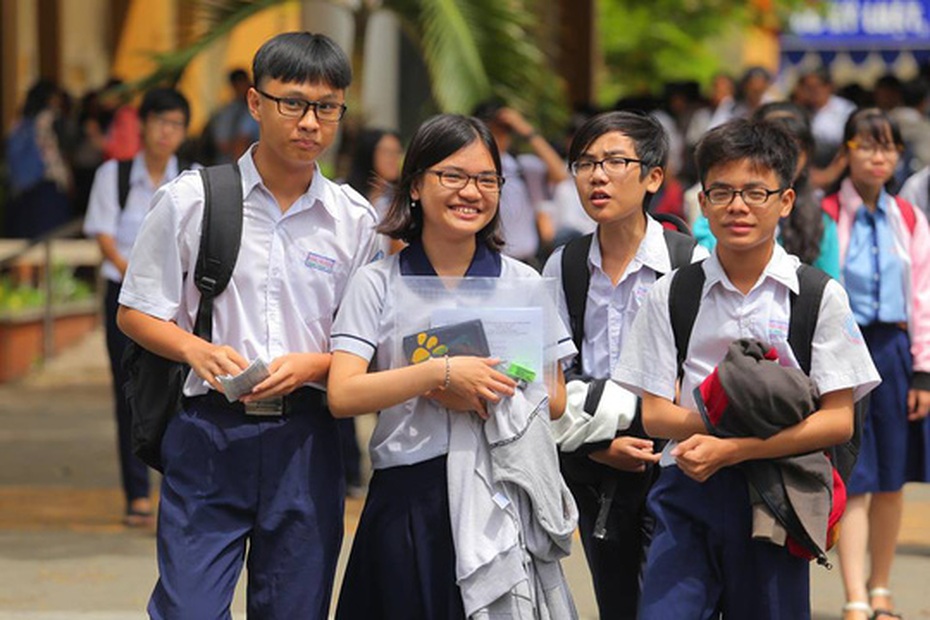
column 615, row 563
column 270, row 485
column 703, row 561
column 402, row 565
column 134, row 475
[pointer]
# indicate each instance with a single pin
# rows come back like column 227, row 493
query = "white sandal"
column 879, row 611
column 858, row 606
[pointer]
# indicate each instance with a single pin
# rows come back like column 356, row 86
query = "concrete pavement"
column 64, row 553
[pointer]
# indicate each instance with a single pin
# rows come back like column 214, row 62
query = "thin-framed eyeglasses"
column 869, row 148
column 612, row 166
column 167, row 123
column 294, row 107
column 485, row 181
column 755, row 197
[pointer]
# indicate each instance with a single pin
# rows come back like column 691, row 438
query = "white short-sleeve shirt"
column 610, row 310
column 291, row 273
column 839, row 356
column 104, row 216
column 415, row 430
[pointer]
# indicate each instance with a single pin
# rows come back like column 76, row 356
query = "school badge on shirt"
column 320, row 262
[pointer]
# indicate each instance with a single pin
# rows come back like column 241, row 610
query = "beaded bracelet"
column 448, row 378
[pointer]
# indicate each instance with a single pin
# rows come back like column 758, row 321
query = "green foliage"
column 17, row 296
column 647, row 44
column 471, row 48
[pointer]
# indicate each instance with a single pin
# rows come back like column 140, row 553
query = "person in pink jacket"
column 885, row 268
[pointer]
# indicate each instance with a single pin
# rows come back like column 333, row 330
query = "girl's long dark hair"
column 362, row 176
column 802, row 230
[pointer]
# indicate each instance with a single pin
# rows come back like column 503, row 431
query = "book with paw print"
column 465, row 338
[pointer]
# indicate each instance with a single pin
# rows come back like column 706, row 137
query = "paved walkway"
column 64, row 553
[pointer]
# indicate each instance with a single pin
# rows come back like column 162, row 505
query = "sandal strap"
column 858, row 606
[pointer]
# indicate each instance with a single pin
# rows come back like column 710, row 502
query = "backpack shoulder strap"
column 680, row 247
column 123, row 170
column 907, row 213
column 805, row 307
column 575, row 283
column 831, row 206
column 684, row 300
column 220, row 237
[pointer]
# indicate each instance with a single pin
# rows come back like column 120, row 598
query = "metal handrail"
column 45, row 240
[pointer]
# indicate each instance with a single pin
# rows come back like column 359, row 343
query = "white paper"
column 514, row 335
column 235, row 387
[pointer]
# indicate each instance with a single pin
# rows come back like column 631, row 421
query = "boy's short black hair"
column 648, row 136
column 436, row 139
column 764, row 144
column 302, row 57
column 238, row 75
column 160, row 100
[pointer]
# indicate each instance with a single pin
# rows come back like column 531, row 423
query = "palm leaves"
column 472, row 48
column 211, row 20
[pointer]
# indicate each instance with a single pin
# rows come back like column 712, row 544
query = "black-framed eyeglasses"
column 454, row 179
column 293, row 107
column 612, row 166
column 752, row 196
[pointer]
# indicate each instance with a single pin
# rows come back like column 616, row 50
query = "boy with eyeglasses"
column 617, row 160
column 114, row 219
column 261, row 475
column 703, row 560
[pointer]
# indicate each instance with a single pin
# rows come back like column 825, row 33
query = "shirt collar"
column 139, row 174
column 782, row 268
column 485, row 263
column 852, row 202
column 320, row 190
column 652, row 251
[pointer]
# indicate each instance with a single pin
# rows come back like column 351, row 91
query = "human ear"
column 254, row 99
column 654, row 179
column 787, row 202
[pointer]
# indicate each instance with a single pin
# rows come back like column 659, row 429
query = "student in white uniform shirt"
column 618, row 161
column 269, row 485
column 164, row 114
column 402, row 563
column 703, row 560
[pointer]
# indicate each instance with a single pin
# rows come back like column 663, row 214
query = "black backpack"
column 685, row 298
column 577, row 468
column 123, row 170
column 154, row 383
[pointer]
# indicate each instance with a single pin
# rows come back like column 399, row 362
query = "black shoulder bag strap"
column 220, row 238
column 684, row 299
column 805, row 307
column 123, row 170
column 576, row 279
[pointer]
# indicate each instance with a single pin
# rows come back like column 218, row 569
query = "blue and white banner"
column 860, row 27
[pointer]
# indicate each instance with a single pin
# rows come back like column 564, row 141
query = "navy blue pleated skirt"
column 883, row 457
column 402, row 563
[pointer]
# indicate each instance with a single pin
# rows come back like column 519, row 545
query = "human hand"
column 472, row 381
column 210, row 361
column 289, row 372
column 918, row 404
column 627, row 454
column 514, row 121
column 702, row 456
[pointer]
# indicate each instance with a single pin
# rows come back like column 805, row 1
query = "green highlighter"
column 523, row 375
